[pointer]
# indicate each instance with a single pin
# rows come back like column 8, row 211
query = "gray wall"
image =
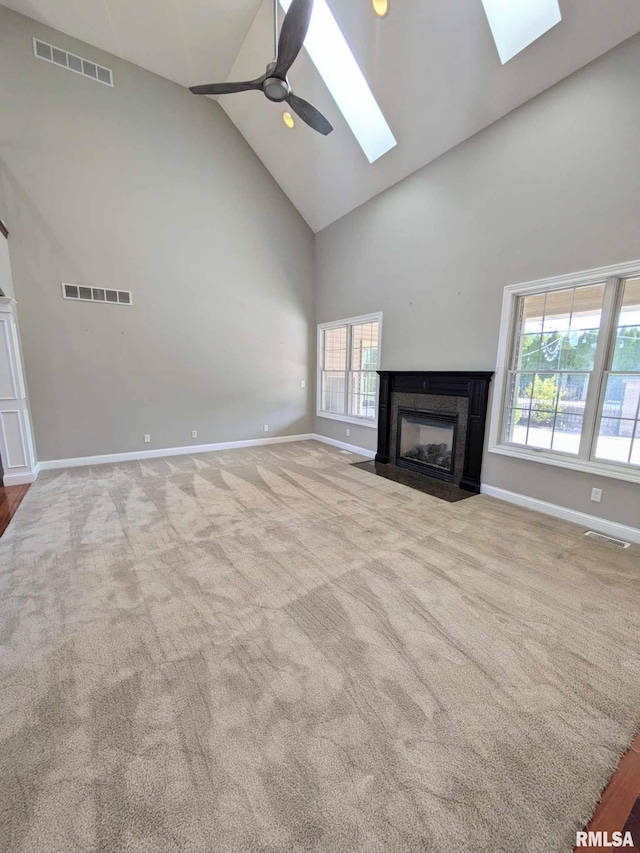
column 552, row 188
column 147, row 188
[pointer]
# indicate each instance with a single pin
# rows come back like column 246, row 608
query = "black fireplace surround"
column 435, row 399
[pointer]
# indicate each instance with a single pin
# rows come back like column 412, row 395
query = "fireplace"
column 426, row 442
column 434, row 423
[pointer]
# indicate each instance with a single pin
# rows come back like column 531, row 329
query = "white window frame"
column 350, row 321
column 609, row 275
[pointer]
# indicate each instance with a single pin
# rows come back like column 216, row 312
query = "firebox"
column 426, row 442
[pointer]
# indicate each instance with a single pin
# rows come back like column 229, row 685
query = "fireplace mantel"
column 473, row 385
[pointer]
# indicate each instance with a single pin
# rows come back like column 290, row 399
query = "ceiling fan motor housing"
column 276, row 89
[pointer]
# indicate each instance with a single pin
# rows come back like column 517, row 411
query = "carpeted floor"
column 271, row 650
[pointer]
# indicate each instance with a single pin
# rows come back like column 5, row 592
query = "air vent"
column 96, row 294
column 619, row 543
column 71, row 62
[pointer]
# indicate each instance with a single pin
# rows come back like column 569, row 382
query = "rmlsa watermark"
column 604, row 839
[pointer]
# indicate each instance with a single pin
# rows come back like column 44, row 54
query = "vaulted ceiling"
column 432, row 65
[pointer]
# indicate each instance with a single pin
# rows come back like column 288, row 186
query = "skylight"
column 337, row 66
column 515, row 25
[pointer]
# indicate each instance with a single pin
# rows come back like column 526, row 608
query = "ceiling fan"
column 274, row 83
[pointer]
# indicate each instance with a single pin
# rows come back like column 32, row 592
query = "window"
column 341, row 73
column 348, row 358
column 570, row 372
column 516, row 25
column 552, row 367
column 618, row 438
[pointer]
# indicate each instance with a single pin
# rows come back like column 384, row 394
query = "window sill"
column 602, row 469
column 372, row 424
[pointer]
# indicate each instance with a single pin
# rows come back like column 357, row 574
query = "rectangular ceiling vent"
column 71, row 62
column 619, row 543
column 96, row 294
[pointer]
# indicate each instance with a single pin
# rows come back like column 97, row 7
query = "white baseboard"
column 592, row 522
column 81, row 461
column 352, row 448
column 19, row 479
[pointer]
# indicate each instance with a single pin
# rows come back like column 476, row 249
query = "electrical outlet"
column 266, row 427
column 147, row 439
column 303, row 383
column 596, row 495
column 348, row 432
column 194, row 433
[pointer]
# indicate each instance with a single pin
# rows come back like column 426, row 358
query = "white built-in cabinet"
column 16, row 447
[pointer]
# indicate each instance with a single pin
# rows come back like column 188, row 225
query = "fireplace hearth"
column 433, row 423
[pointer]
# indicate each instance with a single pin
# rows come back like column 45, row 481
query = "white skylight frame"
column 332, row 56
column 516, row 25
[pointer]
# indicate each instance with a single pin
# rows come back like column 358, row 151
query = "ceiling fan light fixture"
column 276, row 89
column 380, row 7
column 289, row 120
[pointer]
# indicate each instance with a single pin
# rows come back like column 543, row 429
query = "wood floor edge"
column 10, row 499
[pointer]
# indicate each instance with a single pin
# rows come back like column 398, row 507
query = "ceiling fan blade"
column 309, row 114
column 292, row 35
column 227, row 88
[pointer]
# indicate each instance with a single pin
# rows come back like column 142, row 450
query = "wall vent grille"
column 619, row 543
column 79, row 293
column 50, row 53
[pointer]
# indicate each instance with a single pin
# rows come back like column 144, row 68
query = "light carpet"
column 270, row 650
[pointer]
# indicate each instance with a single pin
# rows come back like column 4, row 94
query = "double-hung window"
column 348, row 358
column 569, row 375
